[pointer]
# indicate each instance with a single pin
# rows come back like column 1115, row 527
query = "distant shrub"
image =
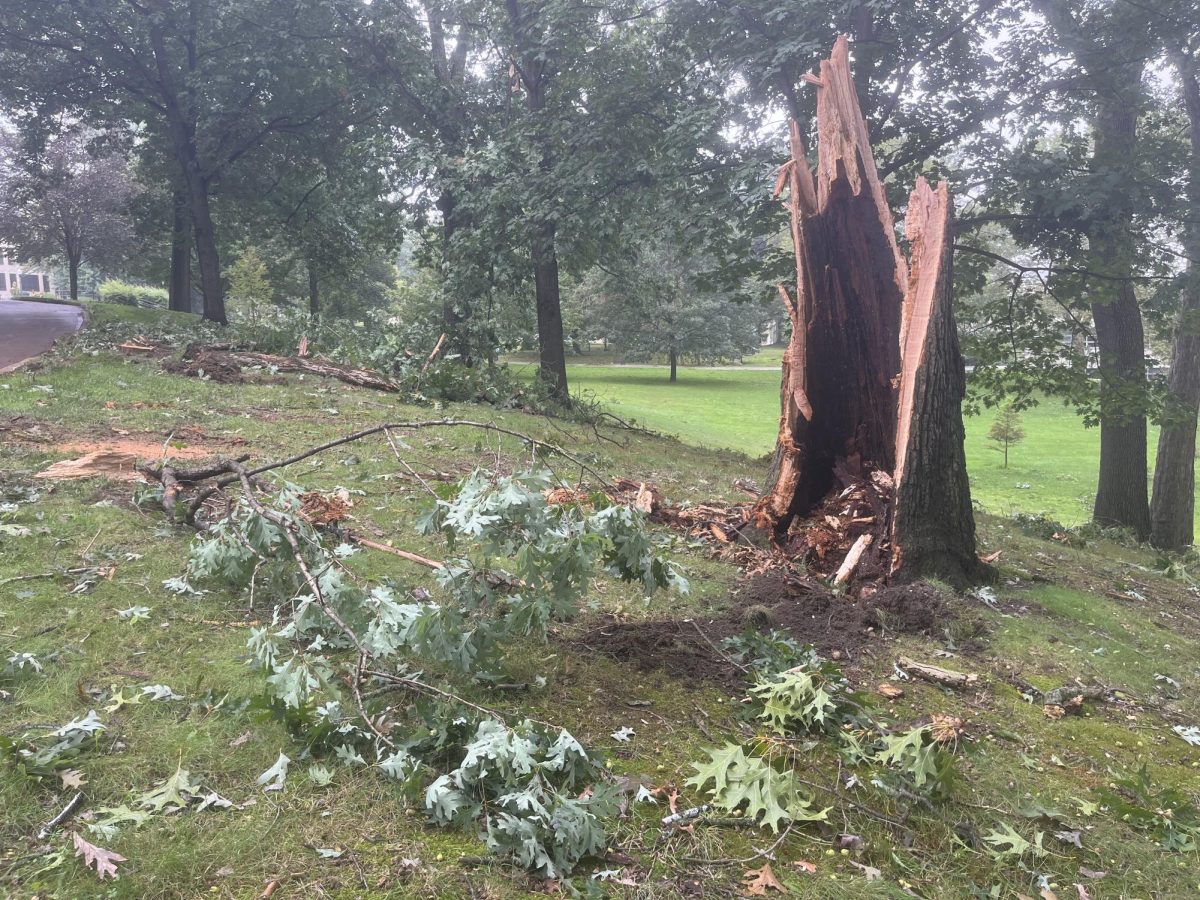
column 126, row 294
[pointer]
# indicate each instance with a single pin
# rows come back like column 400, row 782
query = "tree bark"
column 1121, row 490
column 73, row 276
column 455, row 308
column 674, row 360
column 872, row 377
column 535, row 76
column 552, row 356
column 179, row 286
column 933, row 525
column 1173, row 509
column 206, row 251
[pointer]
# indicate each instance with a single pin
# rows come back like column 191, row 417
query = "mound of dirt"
column 809, row 614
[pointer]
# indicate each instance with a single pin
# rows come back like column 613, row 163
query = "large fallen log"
column 872, row 379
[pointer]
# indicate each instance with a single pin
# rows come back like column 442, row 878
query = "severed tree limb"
column 437, row 348
column 289, row 535
column 67, row 811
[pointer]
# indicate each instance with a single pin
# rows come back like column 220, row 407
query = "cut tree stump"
column 872, row 380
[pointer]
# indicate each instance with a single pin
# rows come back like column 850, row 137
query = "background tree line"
column 614, row 159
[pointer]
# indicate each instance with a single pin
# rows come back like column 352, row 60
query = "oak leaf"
column 103, row 861
column 759, row 881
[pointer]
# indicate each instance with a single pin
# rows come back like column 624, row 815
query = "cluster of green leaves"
column 524, row 780
column 57, row 750
column 768, row 651
column 807, row 698
column 763, row 783
column 815, row 698
column 1169, row 815
column 528, row 781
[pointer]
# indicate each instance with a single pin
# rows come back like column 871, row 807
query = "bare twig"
column 67, row 811
column 403, row 554
column 733, row 662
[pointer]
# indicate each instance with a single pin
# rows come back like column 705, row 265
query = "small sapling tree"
column 1007, row 430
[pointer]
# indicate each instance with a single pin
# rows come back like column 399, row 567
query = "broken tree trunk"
column 872, row 377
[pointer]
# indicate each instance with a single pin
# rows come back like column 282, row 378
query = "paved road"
column 28, row 328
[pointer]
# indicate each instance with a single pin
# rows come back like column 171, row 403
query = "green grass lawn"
column 1052, row 472
column 75, row 553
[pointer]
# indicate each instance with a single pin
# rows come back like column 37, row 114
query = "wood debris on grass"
column 224, row 363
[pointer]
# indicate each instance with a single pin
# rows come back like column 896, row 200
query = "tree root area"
column 690, row 650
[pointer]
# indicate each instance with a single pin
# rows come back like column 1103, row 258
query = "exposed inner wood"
column 872, row 377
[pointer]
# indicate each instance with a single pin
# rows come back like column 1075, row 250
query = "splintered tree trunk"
column 872, row 377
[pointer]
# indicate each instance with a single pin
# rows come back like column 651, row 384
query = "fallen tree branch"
column 851, row 562
column 227, row 472
column 936, row 674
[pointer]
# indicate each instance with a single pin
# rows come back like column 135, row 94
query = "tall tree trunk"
column 552, row 357
column 872, row 376
column 674, row 359
column 73, row 275
column 314, row 292
column 206, row 252
column 535, row 77
column 455, row 308
column 1121, row 491
column 1173, row 509
column 179, row 286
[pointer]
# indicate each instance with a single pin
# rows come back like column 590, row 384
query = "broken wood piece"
column 437, row 348
column 136, row 347
column 852, row 558
column 302, row 350
column 67, row 811
column 403, row 554
column 936, row 674
column 106, row 463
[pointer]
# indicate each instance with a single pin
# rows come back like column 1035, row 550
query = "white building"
column 16, row 279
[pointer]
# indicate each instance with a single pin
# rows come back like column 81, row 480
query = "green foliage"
column 1008, row 842
column 1006, row 430
column 527, row 780
column 58, row 749
column 806, row 698
column 1167, row 814
column 126, row 294
column 918, row 759
column 770, row 651
column 763, row 787
column 524, row 780
column 814, row 697
column 249, row 290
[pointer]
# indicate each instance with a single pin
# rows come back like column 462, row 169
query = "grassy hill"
column 74, row 555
